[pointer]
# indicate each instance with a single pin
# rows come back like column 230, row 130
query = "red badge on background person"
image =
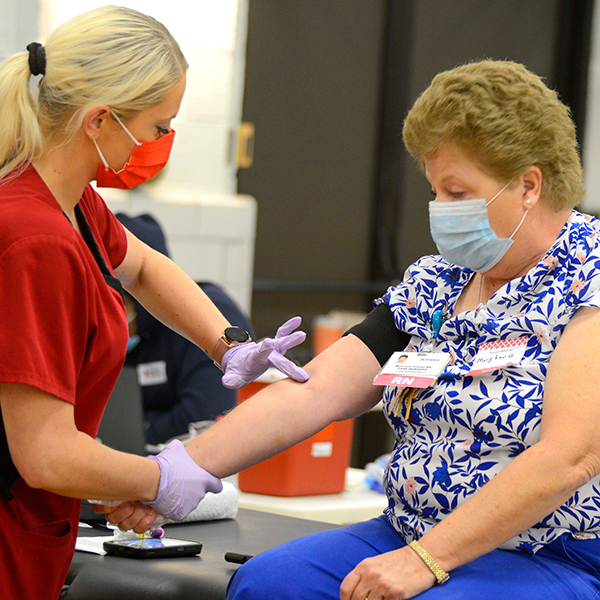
column 145, row 162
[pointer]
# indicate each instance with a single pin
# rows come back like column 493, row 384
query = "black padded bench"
column 205, row 577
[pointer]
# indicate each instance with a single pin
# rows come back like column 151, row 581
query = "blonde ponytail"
column 21, row 140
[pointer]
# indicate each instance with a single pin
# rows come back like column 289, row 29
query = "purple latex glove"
column 243, row 364
column 182, row 483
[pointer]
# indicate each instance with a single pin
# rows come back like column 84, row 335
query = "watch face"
column 237, row 335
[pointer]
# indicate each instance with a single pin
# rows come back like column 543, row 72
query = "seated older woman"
column 495, row 469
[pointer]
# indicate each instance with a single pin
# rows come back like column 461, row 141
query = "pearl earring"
column 528, row 201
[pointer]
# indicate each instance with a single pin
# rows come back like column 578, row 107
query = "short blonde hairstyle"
column 111, row 55
column 507, row 119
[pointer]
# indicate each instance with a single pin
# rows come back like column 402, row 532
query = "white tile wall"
column 209, row 103
column 199, row 157
column 207, row 260
column 18, row 25
column 7, row 27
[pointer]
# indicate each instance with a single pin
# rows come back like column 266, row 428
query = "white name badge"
column 412, row 369
column 152, row 373
column 497, row 355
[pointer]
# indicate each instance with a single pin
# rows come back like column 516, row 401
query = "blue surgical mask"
column 463, row 235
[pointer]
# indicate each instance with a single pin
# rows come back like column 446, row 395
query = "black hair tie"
column 37, row 58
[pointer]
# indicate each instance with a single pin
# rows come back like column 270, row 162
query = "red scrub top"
column 63, row 331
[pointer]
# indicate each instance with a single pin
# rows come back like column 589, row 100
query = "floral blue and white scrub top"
column 463, row 430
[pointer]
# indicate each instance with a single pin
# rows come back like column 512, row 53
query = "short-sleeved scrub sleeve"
column 44, row 299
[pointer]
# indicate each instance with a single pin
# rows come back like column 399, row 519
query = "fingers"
column 262, row 350
column 349, row 585
column 236, row 358
column 132, row 516
column 288, row 327
column 215, row 486
column 232, row 381
column 235, row 381
column 395, row 575
column 119, row 514
column 146, row 522
column 289, row 341
column 244, row 364
column 287, row 367
column 101, row 508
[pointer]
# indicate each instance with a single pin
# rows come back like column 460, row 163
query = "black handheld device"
column 234, row 557
column 152, row 548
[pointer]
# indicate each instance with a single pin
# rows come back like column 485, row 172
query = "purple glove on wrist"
column 243, row 364
column 182, row 483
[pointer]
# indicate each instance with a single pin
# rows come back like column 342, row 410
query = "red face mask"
column 146, row 160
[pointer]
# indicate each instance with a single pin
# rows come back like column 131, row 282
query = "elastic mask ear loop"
column 522, row 218
column 102, row 159
column 488, row 203
column 130, row 135
column 520, row 223
column 125, row 129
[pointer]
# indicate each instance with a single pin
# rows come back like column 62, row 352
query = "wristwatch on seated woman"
column 230, row 338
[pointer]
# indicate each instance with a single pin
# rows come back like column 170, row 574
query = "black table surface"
column 95, row 577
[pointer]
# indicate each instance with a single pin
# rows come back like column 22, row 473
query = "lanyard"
column 88, row 238
column 407, row 394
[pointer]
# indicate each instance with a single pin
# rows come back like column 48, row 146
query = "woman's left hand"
column 395, row 575
column 243, row 364
column 128, row 515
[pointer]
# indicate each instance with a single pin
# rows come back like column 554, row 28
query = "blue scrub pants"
column 314, row 566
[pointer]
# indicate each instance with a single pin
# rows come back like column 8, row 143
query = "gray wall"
column 448, row 33
column 313, row 92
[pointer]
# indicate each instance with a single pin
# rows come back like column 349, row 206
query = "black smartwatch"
column 234, row 336
column 231, row 337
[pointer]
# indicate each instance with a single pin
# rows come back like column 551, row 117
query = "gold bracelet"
column 440, row 575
